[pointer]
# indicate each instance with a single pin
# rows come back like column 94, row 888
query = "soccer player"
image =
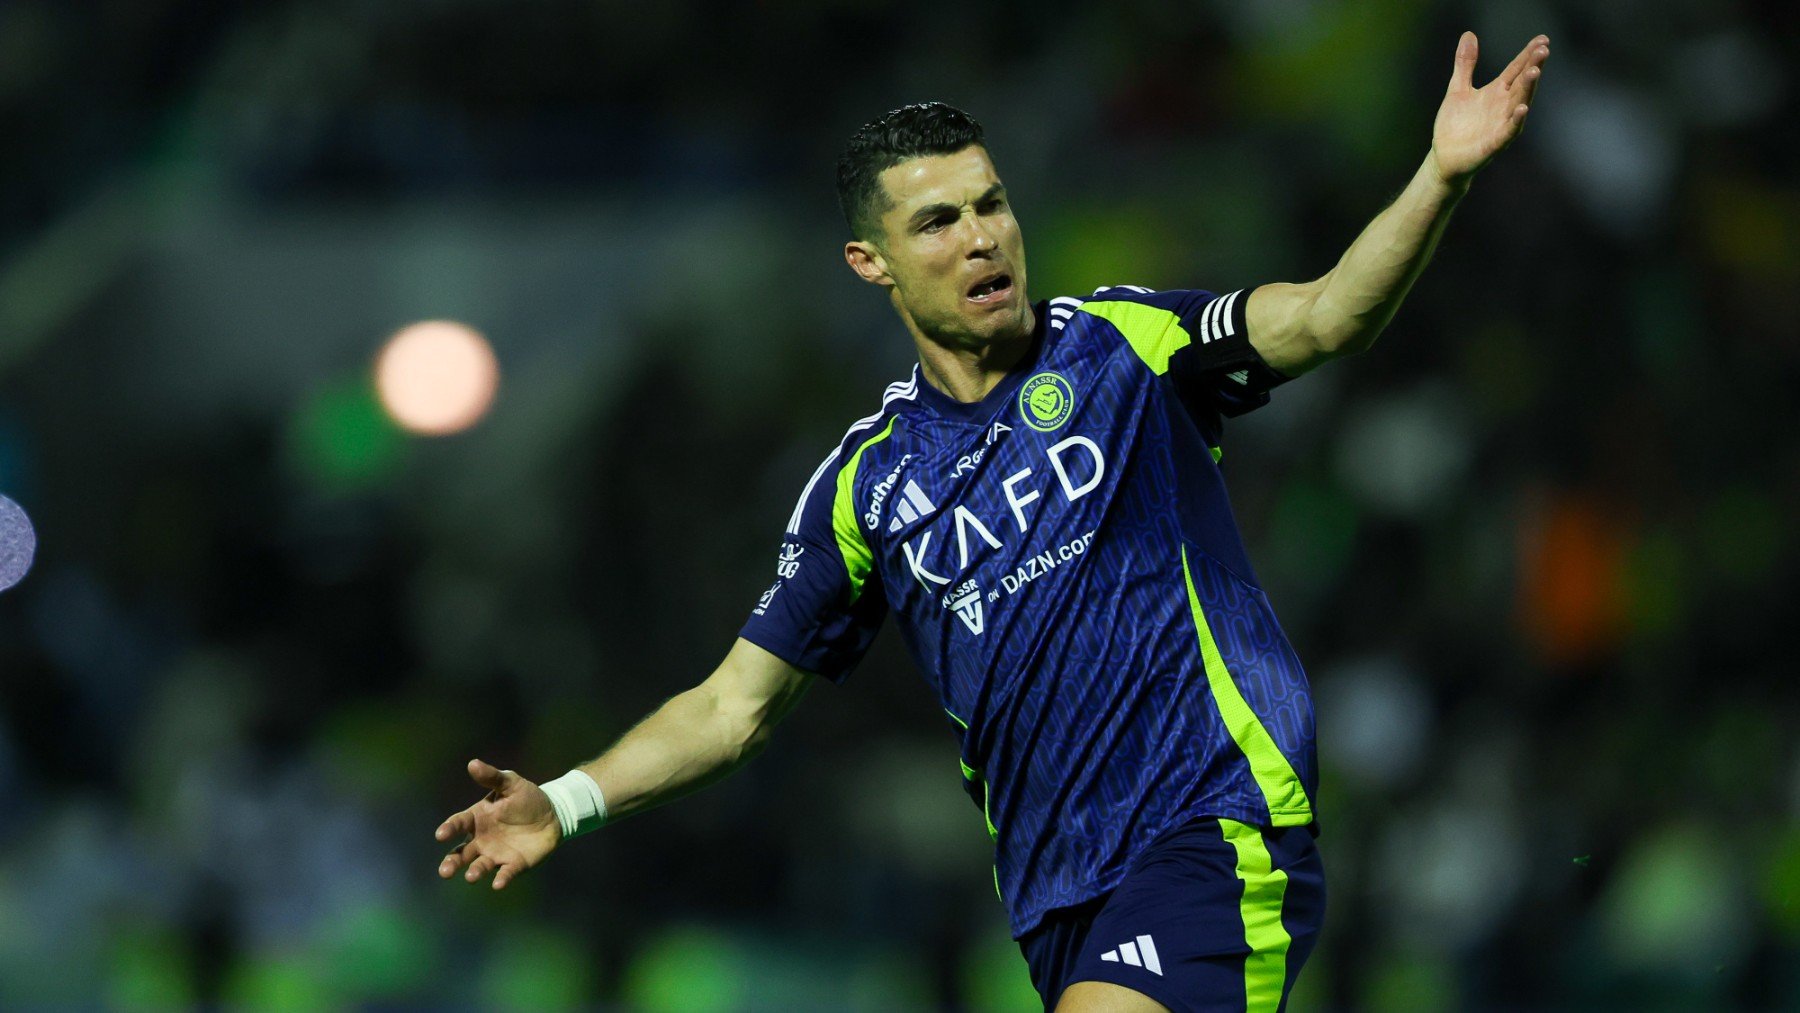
column 1040, row 506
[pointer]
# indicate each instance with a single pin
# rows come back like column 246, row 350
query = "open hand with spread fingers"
column 512, row 828
column 1474, row 123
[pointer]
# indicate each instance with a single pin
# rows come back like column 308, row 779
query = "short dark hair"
column 925, row 128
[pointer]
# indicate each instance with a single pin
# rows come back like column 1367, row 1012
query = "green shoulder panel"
column 858, row 557
column 1154, row 333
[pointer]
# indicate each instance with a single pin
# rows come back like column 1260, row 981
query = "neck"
column 968, row 373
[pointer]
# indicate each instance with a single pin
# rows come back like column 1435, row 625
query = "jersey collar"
column 978, row 412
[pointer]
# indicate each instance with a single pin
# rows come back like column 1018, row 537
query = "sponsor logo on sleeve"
column 788, row 563
column 762, row 604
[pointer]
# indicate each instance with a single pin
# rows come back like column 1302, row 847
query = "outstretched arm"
column 702, row 735
column 1296, row 327
column 692, row 740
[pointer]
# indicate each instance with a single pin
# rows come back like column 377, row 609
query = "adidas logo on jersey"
column 1141, row 953
column 913, row 505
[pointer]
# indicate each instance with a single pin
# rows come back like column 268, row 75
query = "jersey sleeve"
column 1208, row 356
column 821, row 613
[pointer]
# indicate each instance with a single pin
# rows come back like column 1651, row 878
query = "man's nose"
column 981, row 238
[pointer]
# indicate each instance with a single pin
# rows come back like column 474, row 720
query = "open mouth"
column 991, row 290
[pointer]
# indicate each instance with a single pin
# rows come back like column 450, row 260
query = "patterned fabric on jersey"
column 1065, row 569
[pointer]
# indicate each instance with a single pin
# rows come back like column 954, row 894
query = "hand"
column 511, row 830
column 1474, row 123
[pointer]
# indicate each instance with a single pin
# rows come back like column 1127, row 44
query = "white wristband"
column 578, row 803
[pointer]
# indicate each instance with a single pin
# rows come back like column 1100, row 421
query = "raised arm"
column 1295, row 327
column 695, row 738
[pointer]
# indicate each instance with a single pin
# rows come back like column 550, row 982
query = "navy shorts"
column 1214, row 915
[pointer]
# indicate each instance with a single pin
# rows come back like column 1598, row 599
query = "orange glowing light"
column 437, row 377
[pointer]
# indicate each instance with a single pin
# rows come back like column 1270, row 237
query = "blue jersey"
column 1064, row 565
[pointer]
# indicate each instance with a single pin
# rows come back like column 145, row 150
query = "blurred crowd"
column 1535, row 547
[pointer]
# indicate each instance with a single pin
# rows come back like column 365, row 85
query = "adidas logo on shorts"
column 1141, row 953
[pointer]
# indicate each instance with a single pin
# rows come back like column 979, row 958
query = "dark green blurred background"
column 1536, row 548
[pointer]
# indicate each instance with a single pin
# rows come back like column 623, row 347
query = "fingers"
column 469, row 857
column 481, row 866
column 1515, row 124
column 455, row 860
column 1462, row 74
column 505, row 871
column 1529, row 78
column 1530, row 58
column 475, row 864
column 505, row 874
column 460, row 825
column 489, row 776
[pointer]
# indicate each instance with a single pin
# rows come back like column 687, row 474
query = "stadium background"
column 1536, row 548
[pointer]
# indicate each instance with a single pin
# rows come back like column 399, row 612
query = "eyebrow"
column 930, row 211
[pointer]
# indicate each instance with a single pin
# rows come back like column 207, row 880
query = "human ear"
column 866, row 260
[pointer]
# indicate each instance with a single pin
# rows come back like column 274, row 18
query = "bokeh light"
column 18, row 543
column 437, row 377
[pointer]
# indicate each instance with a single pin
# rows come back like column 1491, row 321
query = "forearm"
column 1360, row 295
column 684, row 745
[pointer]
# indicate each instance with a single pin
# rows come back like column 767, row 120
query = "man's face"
column 950, row 250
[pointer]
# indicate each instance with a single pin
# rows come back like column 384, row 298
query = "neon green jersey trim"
column 971, row 774
column 1154, row 333
column 987, row 815
column 858, row 558
column 1281, row 787
column 1265, row 969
